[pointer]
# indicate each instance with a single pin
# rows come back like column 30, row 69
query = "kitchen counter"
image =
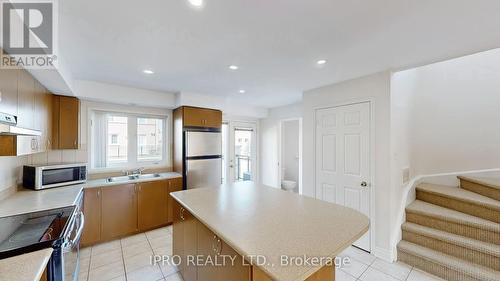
column 26, row 267
column 27, row 200
column 258, row 220
column 104, row 182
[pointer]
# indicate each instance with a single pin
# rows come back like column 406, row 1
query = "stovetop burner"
column 33, row 231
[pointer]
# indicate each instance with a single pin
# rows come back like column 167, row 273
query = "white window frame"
column 132, row 135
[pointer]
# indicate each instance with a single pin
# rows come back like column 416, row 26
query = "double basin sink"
column 133, row 177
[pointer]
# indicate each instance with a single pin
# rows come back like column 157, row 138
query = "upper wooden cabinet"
column 65, row 122
column 26, row 101
column 201, row 117
column 8, row 91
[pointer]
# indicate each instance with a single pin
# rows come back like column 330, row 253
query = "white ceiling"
column 274, row 42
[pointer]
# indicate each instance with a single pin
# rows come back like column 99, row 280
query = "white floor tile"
column 371, row 274
column 174, row 277
column 148, row 273
column 105, row 247
column 161, row 242
column 419, row 275
column 134, row 239
column 106, row 258
column 138, row 261
column 160, row 232
column 139, row 248
column 107, row 272
column 342, row 276
column 358, row 254
column 355, row 268
column 397, row 270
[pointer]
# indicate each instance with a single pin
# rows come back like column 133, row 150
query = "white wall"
column 443, row 123
column 269, row 141
column 290, row 147
column 376, row 88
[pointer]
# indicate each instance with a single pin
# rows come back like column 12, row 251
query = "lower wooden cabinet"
column 119, row 211
column 92, row 211
column 152, row 204
column 193, row 238
column 116, row 211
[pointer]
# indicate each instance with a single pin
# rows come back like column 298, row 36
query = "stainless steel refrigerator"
column 203, row 159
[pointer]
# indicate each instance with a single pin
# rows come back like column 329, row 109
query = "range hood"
column 8, row 126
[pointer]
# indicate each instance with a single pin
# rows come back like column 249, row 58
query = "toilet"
column 288, row 185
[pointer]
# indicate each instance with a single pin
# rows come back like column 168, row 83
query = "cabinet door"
column 25, row 100
column 190, row 246
column 173, row 186
column 213, row 119
column 119, row 211
column 232, row 271
column 69, row 108
column 43, row 114
column 152, row 204
column 92, row 211
column 206, row 248
column 8, row 90
column 202, row 117
column 178, row 234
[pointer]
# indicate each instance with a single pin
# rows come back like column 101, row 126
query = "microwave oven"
column 39, row 177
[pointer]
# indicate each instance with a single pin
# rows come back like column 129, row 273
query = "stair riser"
column 458, row 205
column 455, row 228
column 480, row 189
column 451, row 249
column 434, row 268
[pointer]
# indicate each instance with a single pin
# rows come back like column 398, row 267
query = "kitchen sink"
column 133, row 177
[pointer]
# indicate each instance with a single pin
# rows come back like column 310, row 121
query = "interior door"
column 343, row 158
column 243, row 151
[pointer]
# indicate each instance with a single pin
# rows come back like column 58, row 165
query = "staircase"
column 454, row 233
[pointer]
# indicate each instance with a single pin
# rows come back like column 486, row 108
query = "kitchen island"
column 248, row 231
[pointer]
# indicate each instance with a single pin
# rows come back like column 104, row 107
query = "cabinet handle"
column 214, row 249
column 74, row 144
column 98, row 193
column 182, row 214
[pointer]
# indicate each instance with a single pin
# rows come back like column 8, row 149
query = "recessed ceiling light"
column 321, row 62
column 148, row 71
column 196, row 3
column 242, row 91
column 233, row 67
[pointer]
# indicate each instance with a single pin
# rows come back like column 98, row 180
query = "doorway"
column 343, row 153
column 239, row 147
column 290, row 155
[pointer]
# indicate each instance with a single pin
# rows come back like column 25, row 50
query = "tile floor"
column 129, row 259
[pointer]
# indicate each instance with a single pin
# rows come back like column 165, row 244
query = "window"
column 127, row 140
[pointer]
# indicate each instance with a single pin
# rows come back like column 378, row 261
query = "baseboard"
column 385, row 254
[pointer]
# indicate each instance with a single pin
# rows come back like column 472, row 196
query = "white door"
column 343, row 158
column 242, row 151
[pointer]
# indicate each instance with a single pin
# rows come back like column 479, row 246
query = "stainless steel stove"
column 57, row 228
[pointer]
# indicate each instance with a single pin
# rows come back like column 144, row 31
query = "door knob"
column 364, row 184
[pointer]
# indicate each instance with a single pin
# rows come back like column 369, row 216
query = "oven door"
column 71, row 248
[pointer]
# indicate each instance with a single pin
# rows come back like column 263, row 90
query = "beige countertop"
column 26, row 267
column 27, row 200
column 259, row 220
column 104, row 182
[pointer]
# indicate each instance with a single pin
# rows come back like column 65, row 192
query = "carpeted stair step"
column 442, row 265
column 488, row 187
column 460, row 200
column 455, row 222
column 468, row 249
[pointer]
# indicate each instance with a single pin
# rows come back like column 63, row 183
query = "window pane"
column 149, row 139
column 242, row 153
column 117, row 140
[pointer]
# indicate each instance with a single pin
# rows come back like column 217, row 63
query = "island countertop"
column 258, row 220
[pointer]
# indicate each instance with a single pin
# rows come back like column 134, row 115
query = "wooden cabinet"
column 201, row 117
column 178, row 234
column 8, row 91
column 152, row 204
column 116, row 211
column 185, row 241
column 65, row 122
column 25, row 100
column 92, row 212
column 43, row 113
column 206, row 241
column 173, row 186
column 119, row 211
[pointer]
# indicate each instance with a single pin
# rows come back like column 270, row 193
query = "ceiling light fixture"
column 321, row 62
column 148, row 71
column 196, row 3
column 233, row 67
column 242, row 91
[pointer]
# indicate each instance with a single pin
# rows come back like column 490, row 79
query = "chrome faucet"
column 135, row 171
